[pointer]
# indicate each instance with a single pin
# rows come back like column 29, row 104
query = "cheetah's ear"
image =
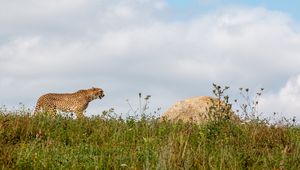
column 93, row 88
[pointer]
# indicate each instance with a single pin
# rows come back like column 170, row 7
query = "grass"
column 95, row 143
column 110, row 142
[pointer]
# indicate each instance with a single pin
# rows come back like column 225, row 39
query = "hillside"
column 96, row 143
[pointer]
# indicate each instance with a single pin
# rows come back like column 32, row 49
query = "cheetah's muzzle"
column 101, row 96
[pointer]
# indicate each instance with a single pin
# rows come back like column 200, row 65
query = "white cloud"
column 286, row 101
column 124, row 47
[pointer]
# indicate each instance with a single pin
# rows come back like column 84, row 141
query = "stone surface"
column 197, row 110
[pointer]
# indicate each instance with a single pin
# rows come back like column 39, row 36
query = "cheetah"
column 68, row 102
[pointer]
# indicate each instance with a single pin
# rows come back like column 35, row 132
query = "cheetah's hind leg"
column 46, row 111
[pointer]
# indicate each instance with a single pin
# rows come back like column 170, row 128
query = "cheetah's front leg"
column 79, row 114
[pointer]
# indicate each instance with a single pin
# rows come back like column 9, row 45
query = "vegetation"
column 110, row 142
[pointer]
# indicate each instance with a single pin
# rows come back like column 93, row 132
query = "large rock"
column 199, row 110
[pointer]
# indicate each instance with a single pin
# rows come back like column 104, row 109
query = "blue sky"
column 186, row 7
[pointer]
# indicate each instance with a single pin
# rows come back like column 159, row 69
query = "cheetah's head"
column 96, row 93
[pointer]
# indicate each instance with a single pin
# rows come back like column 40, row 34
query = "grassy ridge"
column 94, row 143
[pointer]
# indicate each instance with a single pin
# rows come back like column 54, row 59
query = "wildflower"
column 39, row 134
column 123, row 165
column 147, row 97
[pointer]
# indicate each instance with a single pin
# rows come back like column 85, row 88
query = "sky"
column 169, row 49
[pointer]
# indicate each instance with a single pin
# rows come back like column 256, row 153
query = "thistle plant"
column 221, row 108
column 249, row 106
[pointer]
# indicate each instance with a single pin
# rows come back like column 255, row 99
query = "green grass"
column 94, row 143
